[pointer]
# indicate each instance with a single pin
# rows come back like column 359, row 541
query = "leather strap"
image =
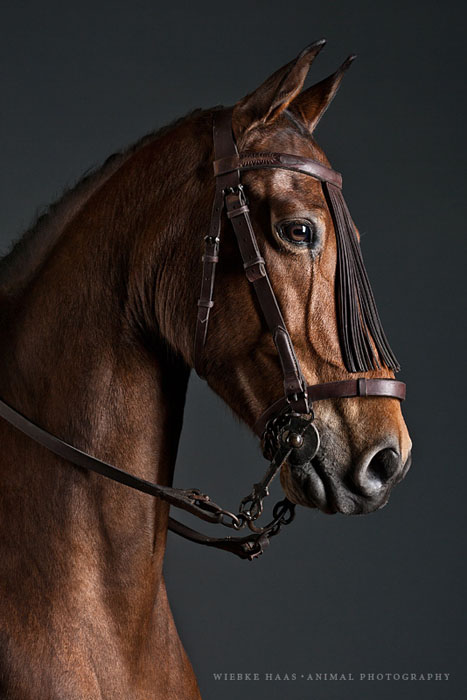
column 256, row 273
column 346, row 389
column 228, row 183
column 82, row 459
column 285, row 161
column 187, row 499
column 210, row 260
column 247, row 547
column 222, row 149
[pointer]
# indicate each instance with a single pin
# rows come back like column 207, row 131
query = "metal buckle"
column 212, row 240
column 236, row 189
column 299, row 396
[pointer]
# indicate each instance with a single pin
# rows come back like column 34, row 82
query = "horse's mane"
column 38, row 240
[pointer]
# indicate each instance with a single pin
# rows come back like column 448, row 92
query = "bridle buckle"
column 300, row 397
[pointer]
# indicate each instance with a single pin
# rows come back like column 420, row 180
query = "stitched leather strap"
column 285, row 161
column 346, row 389
column 228, row 183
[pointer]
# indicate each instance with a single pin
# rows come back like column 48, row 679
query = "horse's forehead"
column 283, row 187
column 283, row 138
column 279, row 182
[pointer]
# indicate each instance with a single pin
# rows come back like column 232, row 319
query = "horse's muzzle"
column 361, row 488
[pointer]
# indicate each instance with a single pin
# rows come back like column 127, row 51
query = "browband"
column 285, row 161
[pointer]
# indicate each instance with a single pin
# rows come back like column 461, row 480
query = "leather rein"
column 286, row 428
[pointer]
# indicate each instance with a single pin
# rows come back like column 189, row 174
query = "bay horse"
column 98, row 314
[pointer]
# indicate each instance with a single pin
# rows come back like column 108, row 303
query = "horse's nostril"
column 384, row 465
column 374, row 475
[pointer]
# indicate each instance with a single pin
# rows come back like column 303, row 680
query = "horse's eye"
column 297, row 232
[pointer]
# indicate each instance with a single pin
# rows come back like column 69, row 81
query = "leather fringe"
column 360, row 329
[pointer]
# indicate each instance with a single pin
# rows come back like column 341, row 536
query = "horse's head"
column 365, row 446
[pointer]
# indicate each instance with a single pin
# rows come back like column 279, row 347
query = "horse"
column 98, row 314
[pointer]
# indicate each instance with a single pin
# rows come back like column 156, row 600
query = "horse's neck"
column 97, row 390
column 74, row 361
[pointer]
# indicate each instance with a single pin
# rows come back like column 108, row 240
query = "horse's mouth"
column 310, row 486
column 304, row 486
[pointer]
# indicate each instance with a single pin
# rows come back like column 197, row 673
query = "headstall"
column 287, row 429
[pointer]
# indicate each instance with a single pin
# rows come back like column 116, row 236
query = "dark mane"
column 39, row 239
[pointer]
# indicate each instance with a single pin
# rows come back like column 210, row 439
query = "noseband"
column 287, row 429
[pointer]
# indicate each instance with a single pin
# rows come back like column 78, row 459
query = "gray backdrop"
column 375, row 594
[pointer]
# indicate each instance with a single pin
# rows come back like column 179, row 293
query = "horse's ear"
column 276, row 93
column 312, row 103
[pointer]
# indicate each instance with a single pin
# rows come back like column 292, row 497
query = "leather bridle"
column 286, row 428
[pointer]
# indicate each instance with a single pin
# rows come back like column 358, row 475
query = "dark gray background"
column 381, row 593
